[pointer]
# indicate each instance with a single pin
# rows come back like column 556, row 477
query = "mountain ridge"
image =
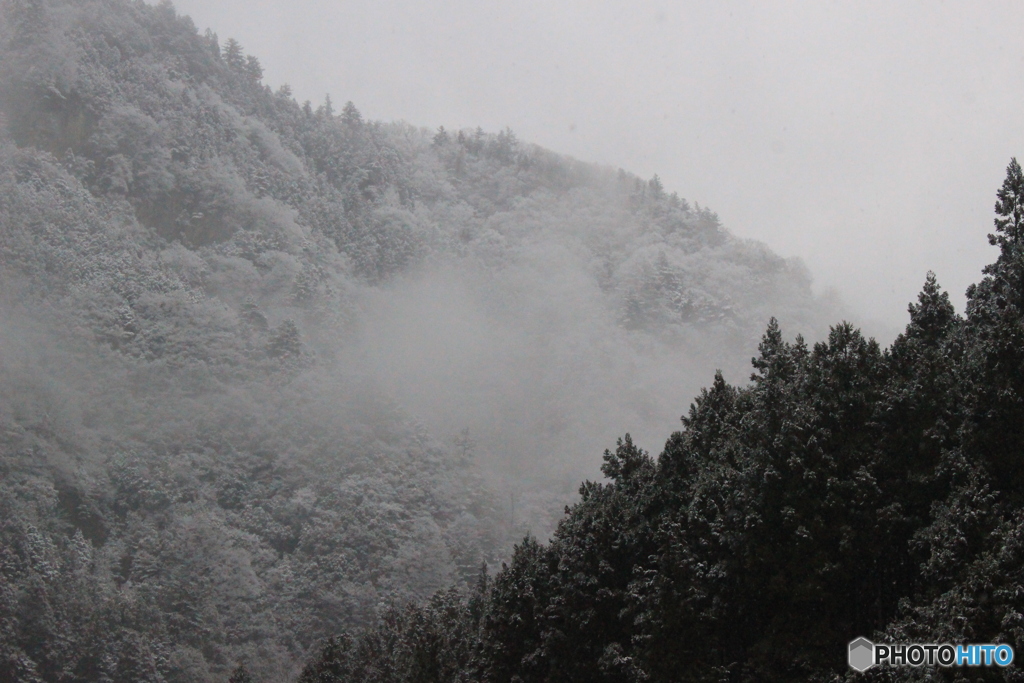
column 261, row 362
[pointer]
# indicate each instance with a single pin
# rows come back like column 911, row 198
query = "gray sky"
column 868, row 138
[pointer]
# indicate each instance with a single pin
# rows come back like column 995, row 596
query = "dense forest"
column 846, row 490
column 271, row 372
column 268, row 369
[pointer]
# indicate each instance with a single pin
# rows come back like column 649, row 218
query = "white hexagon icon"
column 862, row 654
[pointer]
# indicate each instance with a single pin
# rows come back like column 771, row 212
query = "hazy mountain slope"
column 241, row 339
column 257, row 189
column 845, row 491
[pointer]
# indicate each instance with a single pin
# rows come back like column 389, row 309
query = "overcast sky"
column 866, row 138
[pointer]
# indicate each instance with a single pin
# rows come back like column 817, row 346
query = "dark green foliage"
column 845, row 491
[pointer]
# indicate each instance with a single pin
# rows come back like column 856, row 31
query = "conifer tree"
column 240, row 675
column 214, row 42
column 657, row 189
column 992, row 376
column 333, row 664
column 441, row 137
column 1009, row 210
column 234, row 57
column 253, row 69
column 350, row 115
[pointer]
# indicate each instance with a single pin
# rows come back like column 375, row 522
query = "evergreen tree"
column 992, row 375
column 350, row 116
column 253, row 69
column 233, row 55
column 332, row 664
column 1010, row 213
column 214, row 43
column 657, row 189
column 240, row 675
column 441, row 137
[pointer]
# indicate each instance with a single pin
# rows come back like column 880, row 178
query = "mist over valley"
column 287, row 393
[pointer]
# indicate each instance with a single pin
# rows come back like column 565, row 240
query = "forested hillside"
column 267, row 368
column 845, row 491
